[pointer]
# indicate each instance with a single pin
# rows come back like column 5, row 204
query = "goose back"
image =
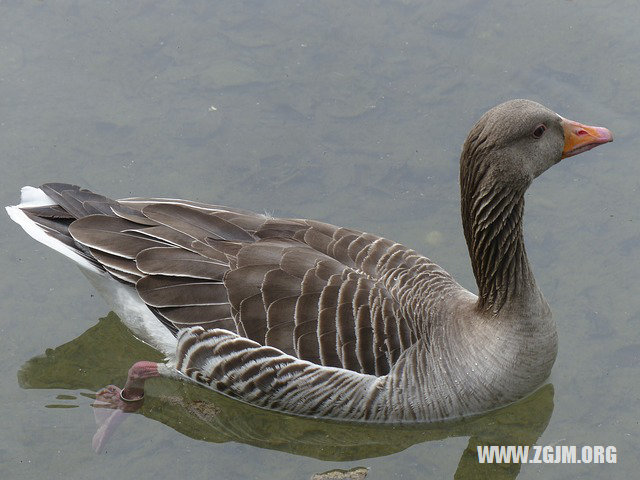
column 328, row 295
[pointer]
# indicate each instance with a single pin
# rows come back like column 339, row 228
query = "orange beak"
column 579, row 138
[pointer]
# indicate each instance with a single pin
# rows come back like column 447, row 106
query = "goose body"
column 313, row 319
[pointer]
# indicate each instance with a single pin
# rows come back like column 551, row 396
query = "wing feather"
column 195, row 223
column 179, row 262
column 325, row 294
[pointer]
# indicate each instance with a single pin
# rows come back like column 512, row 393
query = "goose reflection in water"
column 88, row 362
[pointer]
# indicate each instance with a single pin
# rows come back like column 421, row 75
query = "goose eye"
column 537, row 133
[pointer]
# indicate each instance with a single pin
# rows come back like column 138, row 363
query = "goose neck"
column 492, row 219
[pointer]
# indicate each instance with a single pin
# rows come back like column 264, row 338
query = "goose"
column 313, row 319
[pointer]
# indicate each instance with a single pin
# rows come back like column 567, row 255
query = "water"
column 351, row 113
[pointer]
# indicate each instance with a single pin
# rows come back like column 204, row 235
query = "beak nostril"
column 581, row 132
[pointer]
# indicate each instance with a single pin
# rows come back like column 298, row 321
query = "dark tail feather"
column 77, row 201
column 73, row 203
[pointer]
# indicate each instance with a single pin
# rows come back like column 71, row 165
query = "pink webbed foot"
column 112, row 403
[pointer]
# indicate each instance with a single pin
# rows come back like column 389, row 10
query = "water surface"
column 350, row 113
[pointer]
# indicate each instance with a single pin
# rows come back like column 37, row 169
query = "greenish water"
column 348, row 112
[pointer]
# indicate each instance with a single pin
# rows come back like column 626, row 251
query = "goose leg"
column 119, row 402
column 133, row 390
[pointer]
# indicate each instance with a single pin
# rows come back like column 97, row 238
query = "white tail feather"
column 34, row 197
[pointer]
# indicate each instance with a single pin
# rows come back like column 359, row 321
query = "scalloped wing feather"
column 324, row 294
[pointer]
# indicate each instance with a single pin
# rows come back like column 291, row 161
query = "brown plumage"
column 313, row 290
column 311, row 318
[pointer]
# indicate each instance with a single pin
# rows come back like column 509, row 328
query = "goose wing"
column 328, row 295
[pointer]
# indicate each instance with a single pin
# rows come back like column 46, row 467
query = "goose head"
column 518, row 140
column 507, row 148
